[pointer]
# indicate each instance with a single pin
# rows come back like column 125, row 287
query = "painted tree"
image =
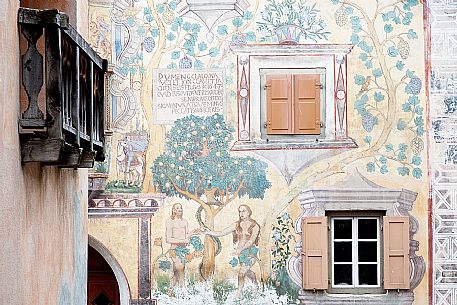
column 196, row 165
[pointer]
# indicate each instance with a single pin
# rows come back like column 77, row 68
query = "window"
column 292, row 102
column 356, row 262
column 355, row 256
column 304, row 106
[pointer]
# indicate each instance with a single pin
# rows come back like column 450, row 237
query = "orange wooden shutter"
column 279, row 104
column 396, row 252
column 315, row 253
column 307, row 104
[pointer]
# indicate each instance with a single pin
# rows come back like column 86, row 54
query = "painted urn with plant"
column 290, row 20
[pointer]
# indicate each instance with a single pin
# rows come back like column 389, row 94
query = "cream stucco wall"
column 43, row 216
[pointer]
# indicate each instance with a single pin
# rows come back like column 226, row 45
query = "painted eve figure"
column 178, row 235
column 246, row 233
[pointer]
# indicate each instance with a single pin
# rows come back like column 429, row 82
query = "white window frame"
column 254, row 58
column 355, row 260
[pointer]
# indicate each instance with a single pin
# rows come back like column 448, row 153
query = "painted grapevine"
column 387, row 86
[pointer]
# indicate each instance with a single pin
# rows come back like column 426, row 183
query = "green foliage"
column 163, row 283
column 197, row 159
column 221, row 290
column 277, row 14
column 118, row 186
column 392, row 44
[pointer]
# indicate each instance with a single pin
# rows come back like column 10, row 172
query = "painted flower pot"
column 288, row 34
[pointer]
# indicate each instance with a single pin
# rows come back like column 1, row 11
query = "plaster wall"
column 43, row 218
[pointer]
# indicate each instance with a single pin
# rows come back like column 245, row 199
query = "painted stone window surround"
column 252, row 59
column 318, row 202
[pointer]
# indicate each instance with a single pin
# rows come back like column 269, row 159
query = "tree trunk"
column 209, row 251
column 265, row 246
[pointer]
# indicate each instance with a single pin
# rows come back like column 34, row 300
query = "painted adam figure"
column 245, row 233
column 178, row 235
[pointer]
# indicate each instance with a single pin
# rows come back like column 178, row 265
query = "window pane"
column 343, row 274
column 368, row 228
column 368, row 251
column 368, row 274
column 342, row 251
column 342, row 228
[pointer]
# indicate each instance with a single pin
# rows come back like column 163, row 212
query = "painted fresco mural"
column 224, row 228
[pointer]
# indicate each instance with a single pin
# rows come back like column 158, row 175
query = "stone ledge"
column 324, row 298
column 285, row 145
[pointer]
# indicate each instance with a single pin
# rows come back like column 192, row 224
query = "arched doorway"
column 102, row 286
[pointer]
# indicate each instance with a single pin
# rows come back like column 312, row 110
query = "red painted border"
column 428, row 59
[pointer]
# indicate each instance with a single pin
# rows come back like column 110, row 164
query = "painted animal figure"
column 130, row 162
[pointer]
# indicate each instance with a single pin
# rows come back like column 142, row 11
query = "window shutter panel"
column 279, row 104
column 396, row 252
column 315, row 253
column 307, row 104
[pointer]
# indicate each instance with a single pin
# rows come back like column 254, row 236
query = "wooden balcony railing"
column 63, row 83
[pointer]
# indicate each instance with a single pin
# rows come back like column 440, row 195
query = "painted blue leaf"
column 371, row 167
column 356, row 28
column 377, row 72
column 164, row 265
column 420, row 131
column 237, row 22
column 401, row 125
column 198, row 64
column 248, row 15
column 172, row 66
column 419, row 110
column 233, row 262
column 406, row 107
column 202, row 46
column 388, row 28
column 178, row 21
column 417, row 173
column 369, row 64
column 383, row 160
column 359, row 79
column 403, row 147
column 130, row 21
column 355, row 39
column 355, row 20
column 363, row 56
column 213, row 52
column 389, row 147
column 222, row 30
column 400, row 65
column 172, row 5
column 392, row 51
column 141, row 31
column 175, row 54
column 174, row 27
column 364, row 98
column 416, row 160
column 335, row 2
column 385, row 17
column 401, row 156
column 411, row 34
column 413, row 100
column 378, row 96
column 360, row 107
column 250, row 36
column 155, row 32
column 396, row 20
column 419, row 121
column 186, row 26
column 367, row 139
column 160, row 8
column 409, row 73
column 171, row 36
column 403, row 170
column 147, row 11
column 406, row 21
column 349, row 10
column 383, row 169
column 149, row 18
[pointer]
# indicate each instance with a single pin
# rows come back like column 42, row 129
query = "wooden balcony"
column 62, row 94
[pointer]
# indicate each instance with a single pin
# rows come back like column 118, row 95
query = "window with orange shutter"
column 293, row 103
